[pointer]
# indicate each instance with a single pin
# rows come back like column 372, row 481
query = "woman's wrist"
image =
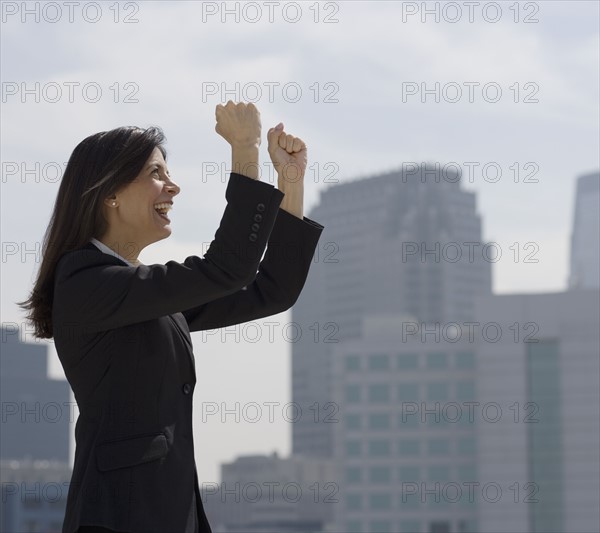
column 244, row 160
column 293, row 200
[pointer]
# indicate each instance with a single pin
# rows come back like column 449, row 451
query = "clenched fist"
column 288, row 154
column 239, row 124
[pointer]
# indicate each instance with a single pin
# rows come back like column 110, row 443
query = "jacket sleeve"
column 97, row 294
column 278, row 283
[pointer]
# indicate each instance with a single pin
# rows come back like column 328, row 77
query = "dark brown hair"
column 99, row 166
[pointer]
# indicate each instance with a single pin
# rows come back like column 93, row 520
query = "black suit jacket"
column 122, row 334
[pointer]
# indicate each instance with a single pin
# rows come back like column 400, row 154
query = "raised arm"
column 98, row 292
column 290, row 250
column 279, row 281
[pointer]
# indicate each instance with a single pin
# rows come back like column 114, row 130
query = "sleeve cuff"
column 304, row 221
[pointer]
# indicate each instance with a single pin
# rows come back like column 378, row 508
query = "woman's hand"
column 239, row 124
column 288, row 154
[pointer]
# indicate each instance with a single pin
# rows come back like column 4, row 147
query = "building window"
column 353, row 474
column 353, row 448
column 467, row 419
column 439, row 527
column 467, row 526
column 437, row 360
column 409, row 474
column 437, row 391
column 379, row 362
column 408, row 361
column 409, row 498
column 408, row 420
column 353, row 501
column 408, row 392
column 465, row 360
column 438, row 446
column 352, row 393
column 352, row 362
column 466, row 446
column 438, row 473
column 380, row 500
column 379, row 421
column 352, row 421
column 379, row 393
column 465, row 390
column 409, row 447
column 467, row 473
column 379, row 474
column 379, row 448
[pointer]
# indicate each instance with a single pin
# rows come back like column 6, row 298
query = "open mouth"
column 162, row 210
column 164, row 217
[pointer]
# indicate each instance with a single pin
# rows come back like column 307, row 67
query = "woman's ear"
column 111, row 201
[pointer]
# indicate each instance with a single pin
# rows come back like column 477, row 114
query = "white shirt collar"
column 109, row 251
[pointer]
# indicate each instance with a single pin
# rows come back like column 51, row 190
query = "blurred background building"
column 404, row 433
column 542, row 447
column 443, row 407
column 34, row 438
column 396, row 243
column 262, row 494
column 585, row 245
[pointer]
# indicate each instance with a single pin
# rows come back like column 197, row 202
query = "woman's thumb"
column 277, row 129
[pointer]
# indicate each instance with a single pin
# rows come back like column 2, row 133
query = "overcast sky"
column 356, row 73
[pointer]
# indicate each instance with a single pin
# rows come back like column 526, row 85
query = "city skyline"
column 368, row 132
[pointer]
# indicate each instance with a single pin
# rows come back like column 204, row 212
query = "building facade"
column 407, row 242
column 539, row 450
column 262, row 494
column 585, row 248
column 405, row 443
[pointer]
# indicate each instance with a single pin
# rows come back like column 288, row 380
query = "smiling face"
column 134, row 222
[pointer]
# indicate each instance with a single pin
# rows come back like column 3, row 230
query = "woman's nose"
column 173, row 188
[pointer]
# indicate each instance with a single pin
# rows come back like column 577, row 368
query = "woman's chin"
column 164, row 222
column 166, row 231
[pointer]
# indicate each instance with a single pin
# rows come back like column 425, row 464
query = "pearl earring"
column 114, row 203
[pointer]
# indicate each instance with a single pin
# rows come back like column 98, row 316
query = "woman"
column 122, row 329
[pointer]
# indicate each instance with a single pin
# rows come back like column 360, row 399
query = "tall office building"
column 585, row 236
column 34, row 438
column 405, row 441
column 406, row 242
column 35, row 409
column 539, row 450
